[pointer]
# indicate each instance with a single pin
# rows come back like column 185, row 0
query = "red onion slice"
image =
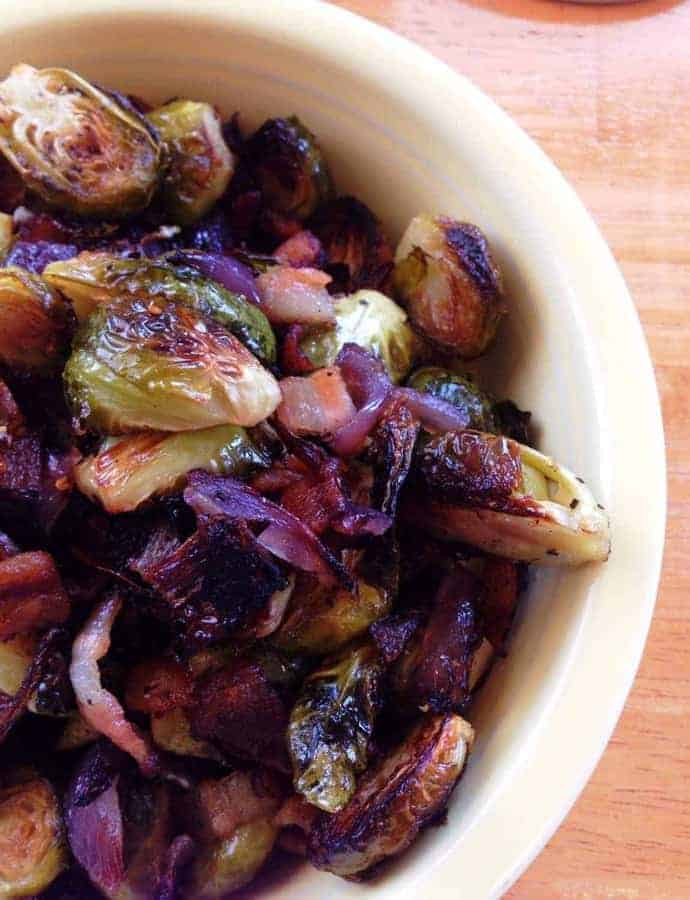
column 96, row 838
column 285, row 536
column 433, row 413
column 226, row 270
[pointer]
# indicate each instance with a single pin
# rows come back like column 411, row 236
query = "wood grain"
column 606, row 92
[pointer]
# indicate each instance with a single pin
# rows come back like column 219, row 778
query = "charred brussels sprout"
column 397, row 797
column 91, row 279
column 138, row 366
column 373, row 321
column 197, row 161
column 289, row 166
column 6, row 233
column 75, row 146
column 129, row 470
column 34, row 322
column 449, row 283
column 228, row 864
column 331, row 726
column 321, row 620
column 508, row 500
column 461, row 392
column 32, row 847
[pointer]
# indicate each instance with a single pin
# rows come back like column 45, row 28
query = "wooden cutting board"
column 605, row 90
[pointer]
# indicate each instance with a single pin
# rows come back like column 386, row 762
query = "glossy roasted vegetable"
column 32, row 845
column 197, row 162
column 449, row 283
column 509, row 500
column 396, row 798
column 373, row 321
column 34, row 322
column 6, row 234
column 331, row 726
column 91, row 279
column 127, row 471
column 228, row 864
column 289, row 167
column 138, row 366
column 459, row 390
column 321, row 619
column 148, row 826
column 75, row 146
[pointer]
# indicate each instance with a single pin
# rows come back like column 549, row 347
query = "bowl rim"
column 318, row 28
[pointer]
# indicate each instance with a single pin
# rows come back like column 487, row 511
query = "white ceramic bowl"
column 407, row 134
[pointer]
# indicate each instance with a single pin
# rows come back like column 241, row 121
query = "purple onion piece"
column 226, row 270
column 433, row 413
column 284, row 535
column 94, row 819
column 370, row 388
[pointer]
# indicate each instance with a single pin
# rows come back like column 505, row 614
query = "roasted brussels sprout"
column 395, row 799
column 197, row 162
column 459, row 390
column 289, row 167
column 331, row 726
column 75, row 146
column 357, row 249
column 447, row 280
column 373, row 321
column 76, row 733
column 509, row 500
column 94, row 278
column 128, row 470
column 164, row 367
column 34, row 322
column 32, row 845
column 226, row 865
column 219, row 806
column 321, row 619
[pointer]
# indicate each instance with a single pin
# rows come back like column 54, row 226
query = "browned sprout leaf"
column 75, row 146
column 396, row 798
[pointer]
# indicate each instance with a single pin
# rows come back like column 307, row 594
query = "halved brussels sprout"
column 289, row 166
column 32, row 845
column 546, row 515
column 321, row 619
column 460, row 391
column 373, row 321
column 449, row 283
column 227, row 865
column 128, row 470
column 331, row 726
column 91, row 279
column 197, row 161
column 401, row 794
column 75, row 146
column 142, row 366
column 34, row 322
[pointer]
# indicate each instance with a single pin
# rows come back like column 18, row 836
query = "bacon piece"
column 32, row 597
column 291, row 295
column 316, row 405
column 100, row 709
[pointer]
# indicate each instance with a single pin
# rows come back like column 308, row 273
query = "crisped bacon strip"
column 32, row 597
column 99, row 707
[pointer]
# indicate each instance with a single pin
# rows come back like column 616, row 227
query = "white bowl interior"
column 403, row 149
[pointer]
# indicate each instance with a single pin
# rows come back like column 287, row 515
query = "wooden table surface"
column 605, row 90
